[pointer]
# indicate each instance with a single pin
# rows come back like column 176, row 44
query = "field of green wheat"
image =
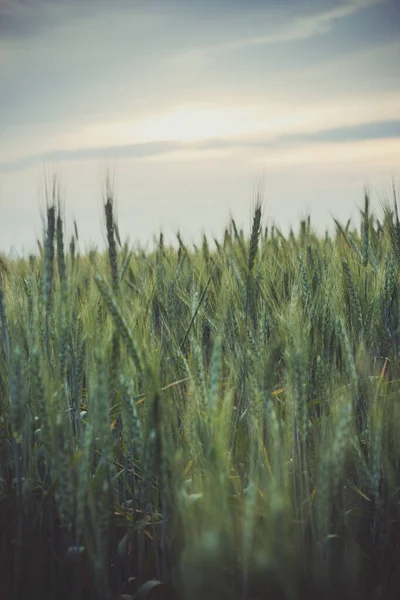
column 220, row 422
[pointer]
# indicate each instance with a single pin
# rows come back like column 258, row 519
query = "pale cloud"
column 382, row 155
column 376, row 154
column 299, row 28
column 190, row 124
column 131, row 74
column 379, row 154
column 270, row 119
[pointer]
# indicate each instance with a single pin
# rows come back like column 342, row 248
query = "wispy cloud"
column 271, row 120
column 135, row 61
column 381, row 155
column 292, row 29
column 335, row 138
column 56, row 156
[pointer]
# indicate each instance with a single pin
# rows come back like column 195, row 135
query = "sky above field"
column 191, row 105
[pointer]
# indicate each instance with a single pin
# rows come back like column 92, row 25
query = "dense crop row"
column 224, row 420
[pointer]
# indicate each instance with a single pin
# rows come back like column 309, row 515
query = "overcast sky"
column 193, row 103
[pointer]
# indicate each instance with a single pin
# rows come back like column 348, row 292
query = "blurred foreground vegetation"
column 224, row 420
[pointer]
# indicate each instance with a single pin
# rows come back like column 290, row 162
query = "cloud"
column 126, row 94
column 298, row 28
column 77, row 64
column 332, row 138
column 55, row 156
column 381, row 154
column 368, row 131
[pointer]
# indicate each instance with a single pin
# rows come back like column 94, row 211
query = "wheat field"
column 213, row 422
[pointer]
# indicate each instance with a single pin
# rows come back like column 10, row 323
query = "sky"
column 192, row 106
